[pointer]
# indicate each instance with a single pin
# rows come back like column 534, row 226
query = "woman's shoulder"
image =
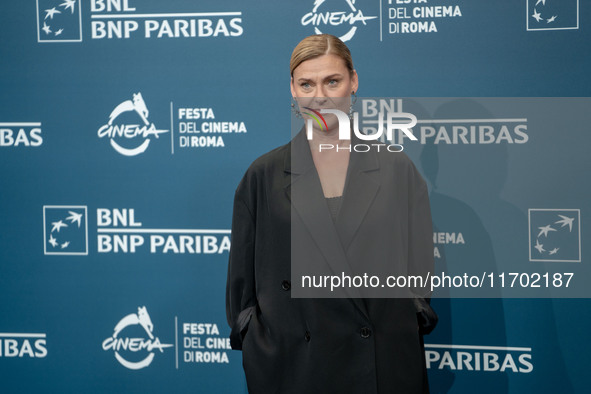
column 263, row 168
column 400, row 164
column 272, row 158
column 397, row 159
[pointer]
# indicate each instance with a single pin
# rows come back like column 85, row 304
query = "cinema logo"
column 202, row 343
column 119, row 231
column 315, row 116
column 120, row 19
column 126, row 348
column 129, row 131
column 417, row 16
column 24, row 134
column 330, row 20
column 23, row 345
column 479, row 358
column 199, row 128
column 441, row 239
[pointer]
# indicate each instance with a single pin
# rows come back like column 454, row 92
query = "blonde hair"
column 317, row 45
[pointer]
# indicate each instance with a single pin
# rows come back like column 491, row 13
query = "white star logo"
column 539, row 246
column 566, row 221
column 57, row 226
column 52, row 241
column 544, row 231
column 51, row 12
column 46, row 28
column 69, row 4
column 75, row 218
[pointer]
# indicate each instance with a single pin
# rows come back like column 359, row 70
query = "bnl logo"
column 555, row 235
column 65, row 230
column 552, row 15
column 59, row 21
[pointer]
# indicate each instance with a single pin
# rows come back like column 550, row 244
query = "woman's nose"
column 320, row 96
column 320, row 92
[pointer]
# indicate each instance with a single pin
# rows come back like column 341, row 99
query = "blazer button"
column 286, row 285
column 365, row 332
column 307, row 336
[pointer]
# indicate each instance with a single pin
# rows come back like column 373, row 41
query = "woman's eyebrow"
column 302, row 79
column 333, row 76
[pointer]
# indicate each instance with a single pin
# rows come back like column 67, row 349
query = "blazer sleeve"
column 240, row 285
column 420, row 234
column 420, row 255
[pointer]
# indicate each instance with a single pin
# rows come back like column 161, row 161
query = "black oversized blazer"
column 320, row 345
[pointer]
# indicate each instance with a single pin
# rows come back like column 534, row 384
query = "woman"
column 337, row 202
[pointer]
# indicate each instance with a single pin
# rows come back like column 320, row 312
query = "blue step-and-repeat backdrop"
column 126, row 125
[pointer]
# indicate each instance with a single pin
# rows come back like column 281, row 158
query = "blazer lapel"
column 304, row 190
column 360, row 191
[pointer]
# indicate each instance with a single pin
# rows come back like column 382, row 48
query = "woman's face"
column 324, row 82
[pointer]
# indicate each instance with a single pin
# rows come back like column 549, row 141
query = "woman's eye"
column 333, row 82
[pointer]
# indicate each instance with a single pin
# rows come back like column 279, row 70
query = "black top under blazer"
column 322, row 345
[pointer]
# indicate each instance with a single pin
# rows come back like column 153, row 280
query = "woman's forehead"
column 324, row 65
